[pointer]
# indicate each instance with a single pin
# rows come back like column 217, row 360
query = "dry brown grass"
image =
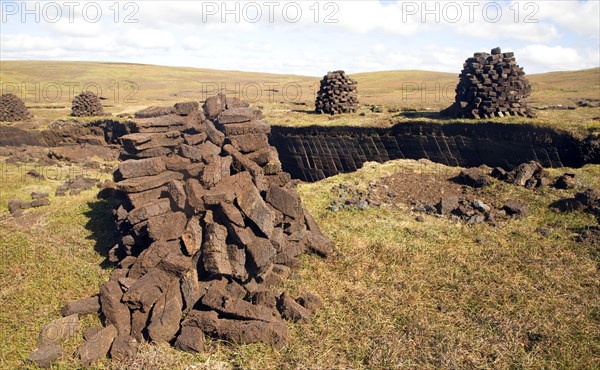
column 422, row 91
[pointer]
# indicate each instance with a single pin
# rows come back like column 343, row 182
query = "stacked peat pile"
column 182, row 109
column 12, row 109
column 491, row 85
column 87, row 104
column 337, row 94
column 209, row 224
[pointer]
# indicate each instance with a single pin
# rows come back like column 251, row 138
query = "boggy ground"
column 397, row 292
column 415, row 185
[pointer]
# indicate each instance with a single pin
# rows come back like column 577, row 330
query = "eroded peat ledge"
column 314, row 153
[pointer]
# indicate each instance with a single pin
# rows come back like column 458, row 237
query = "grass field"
column 397, row 293
column 286, row 99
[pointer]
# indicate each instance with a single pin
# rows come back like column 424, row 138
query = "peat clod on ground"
column 476, row 177
column 590, row 236
column 530, row 175
column 348, row 197
column 491, row 85
column 38, row 199
column 337, row 94
column 76, row 185
column 533, row 175
column 475, row 211
column 566, row 181
column 464, row 198
column 587, row 102
column 586, row 201
column 209, row 225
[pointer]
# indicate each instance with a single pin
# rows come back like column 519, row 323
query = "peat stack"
column 12, row 109
column 491, row 85
column 337, row 94
column 209, row 224
column 87, row 104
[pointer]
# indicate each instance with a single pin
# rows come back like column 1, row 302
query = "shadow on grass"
column 305, row 111
column 101, row 224
column 428, row 115
column 457, row 180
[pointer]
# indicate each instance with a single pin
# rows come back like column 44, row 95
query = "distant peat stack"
column 87, row 104
column 491, row 85
column 337, row 94
column 12, row 109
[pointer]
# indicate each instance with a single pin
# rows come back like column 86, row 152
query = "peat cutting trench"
column 315, row 153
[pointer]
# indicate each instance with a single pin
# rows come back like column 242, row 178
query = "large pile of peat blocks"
column 491, row 85
column 209, row 225
column 87, row 104
column 12, row 109
column 337, row 94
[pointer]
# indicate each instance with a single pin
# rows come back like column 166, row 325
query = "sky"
column 304, row 37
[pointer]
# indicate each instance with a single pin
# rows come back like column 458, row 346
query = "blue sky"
column 358, row 36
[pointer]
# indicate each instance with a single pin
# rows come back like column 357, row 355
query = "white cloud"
column 98, row 43
column 369, row 35
column 365, row 16
column 379, row 48
column 148, row 39
column 77, row 28
column 508, row 31
column 25, row 42
column 542, row 57
column 193, row 43
column 399, row 18
column 428, row 58
column 579, row 16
